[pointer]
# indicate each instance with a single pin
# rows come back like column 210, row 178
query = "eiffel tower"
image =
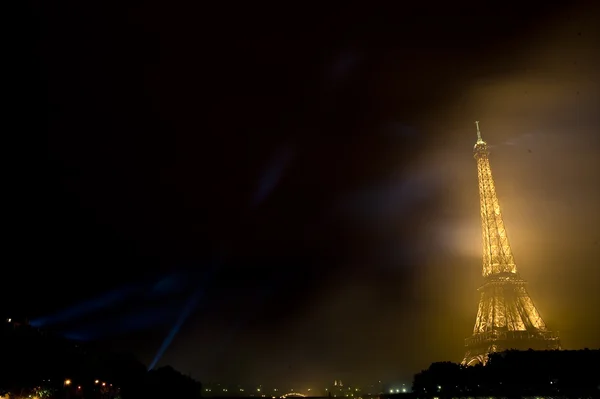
column 506, row 317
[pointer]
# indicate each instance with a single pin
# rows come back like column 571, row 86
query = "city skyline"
column 254, row 194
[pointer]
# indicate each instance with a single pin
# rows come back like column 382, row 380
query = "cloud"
column 272, row 174
column 133, row 321
column 392, row 198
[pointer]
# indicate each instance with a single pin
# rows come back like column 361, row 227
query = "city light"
column 347, row 391
column 67, row 382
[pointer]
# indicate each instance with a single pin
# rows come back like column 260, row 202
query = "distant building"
column 339, row 390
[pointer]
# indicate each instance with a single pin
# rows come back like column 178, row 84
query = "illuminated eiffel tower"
column 507, row 317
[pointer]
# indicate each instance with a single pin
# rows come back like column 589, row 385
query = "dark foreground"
column 38, row 364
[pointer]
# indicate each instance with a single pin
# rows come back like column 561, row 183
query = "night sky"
column 306, row 172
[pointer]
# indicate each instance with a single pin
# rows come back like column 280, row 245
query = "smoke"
column 188, row 308
column 166, row 285
column 540, row 121
column 125, row 323
column 102, row 302
column 267, row 184
column 272, row 174
column 392, row 198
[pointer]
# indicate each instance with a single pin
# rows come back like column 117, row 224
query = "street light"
column 67, row 382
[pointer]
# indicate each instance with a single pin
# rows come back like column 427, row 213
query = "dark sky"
column 308, row 170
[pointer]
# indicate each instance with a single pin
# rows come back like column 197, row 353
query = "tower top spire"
column 479, row 140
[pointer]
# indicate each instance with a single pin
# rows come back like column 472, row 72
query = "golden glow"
column 67, row 382
column 506, row 314
column 97, row 381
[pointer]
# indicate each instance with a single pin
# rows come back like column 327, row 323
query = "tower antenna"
column 478, row 132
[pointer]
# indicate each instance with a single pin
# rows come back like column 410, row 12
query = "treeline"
column 37, row 361
column 515, row 374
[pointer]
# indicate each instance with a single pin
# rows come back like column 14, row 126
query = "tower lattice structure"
column 506, row 317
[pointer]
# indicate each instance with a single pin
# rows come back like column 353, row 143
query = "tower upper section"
column 497, row 254
column 480, row 145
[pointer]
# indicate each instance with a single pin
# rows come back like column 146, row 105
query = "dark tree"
column 515, row 374
column 166, row 382
column 36, row 361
